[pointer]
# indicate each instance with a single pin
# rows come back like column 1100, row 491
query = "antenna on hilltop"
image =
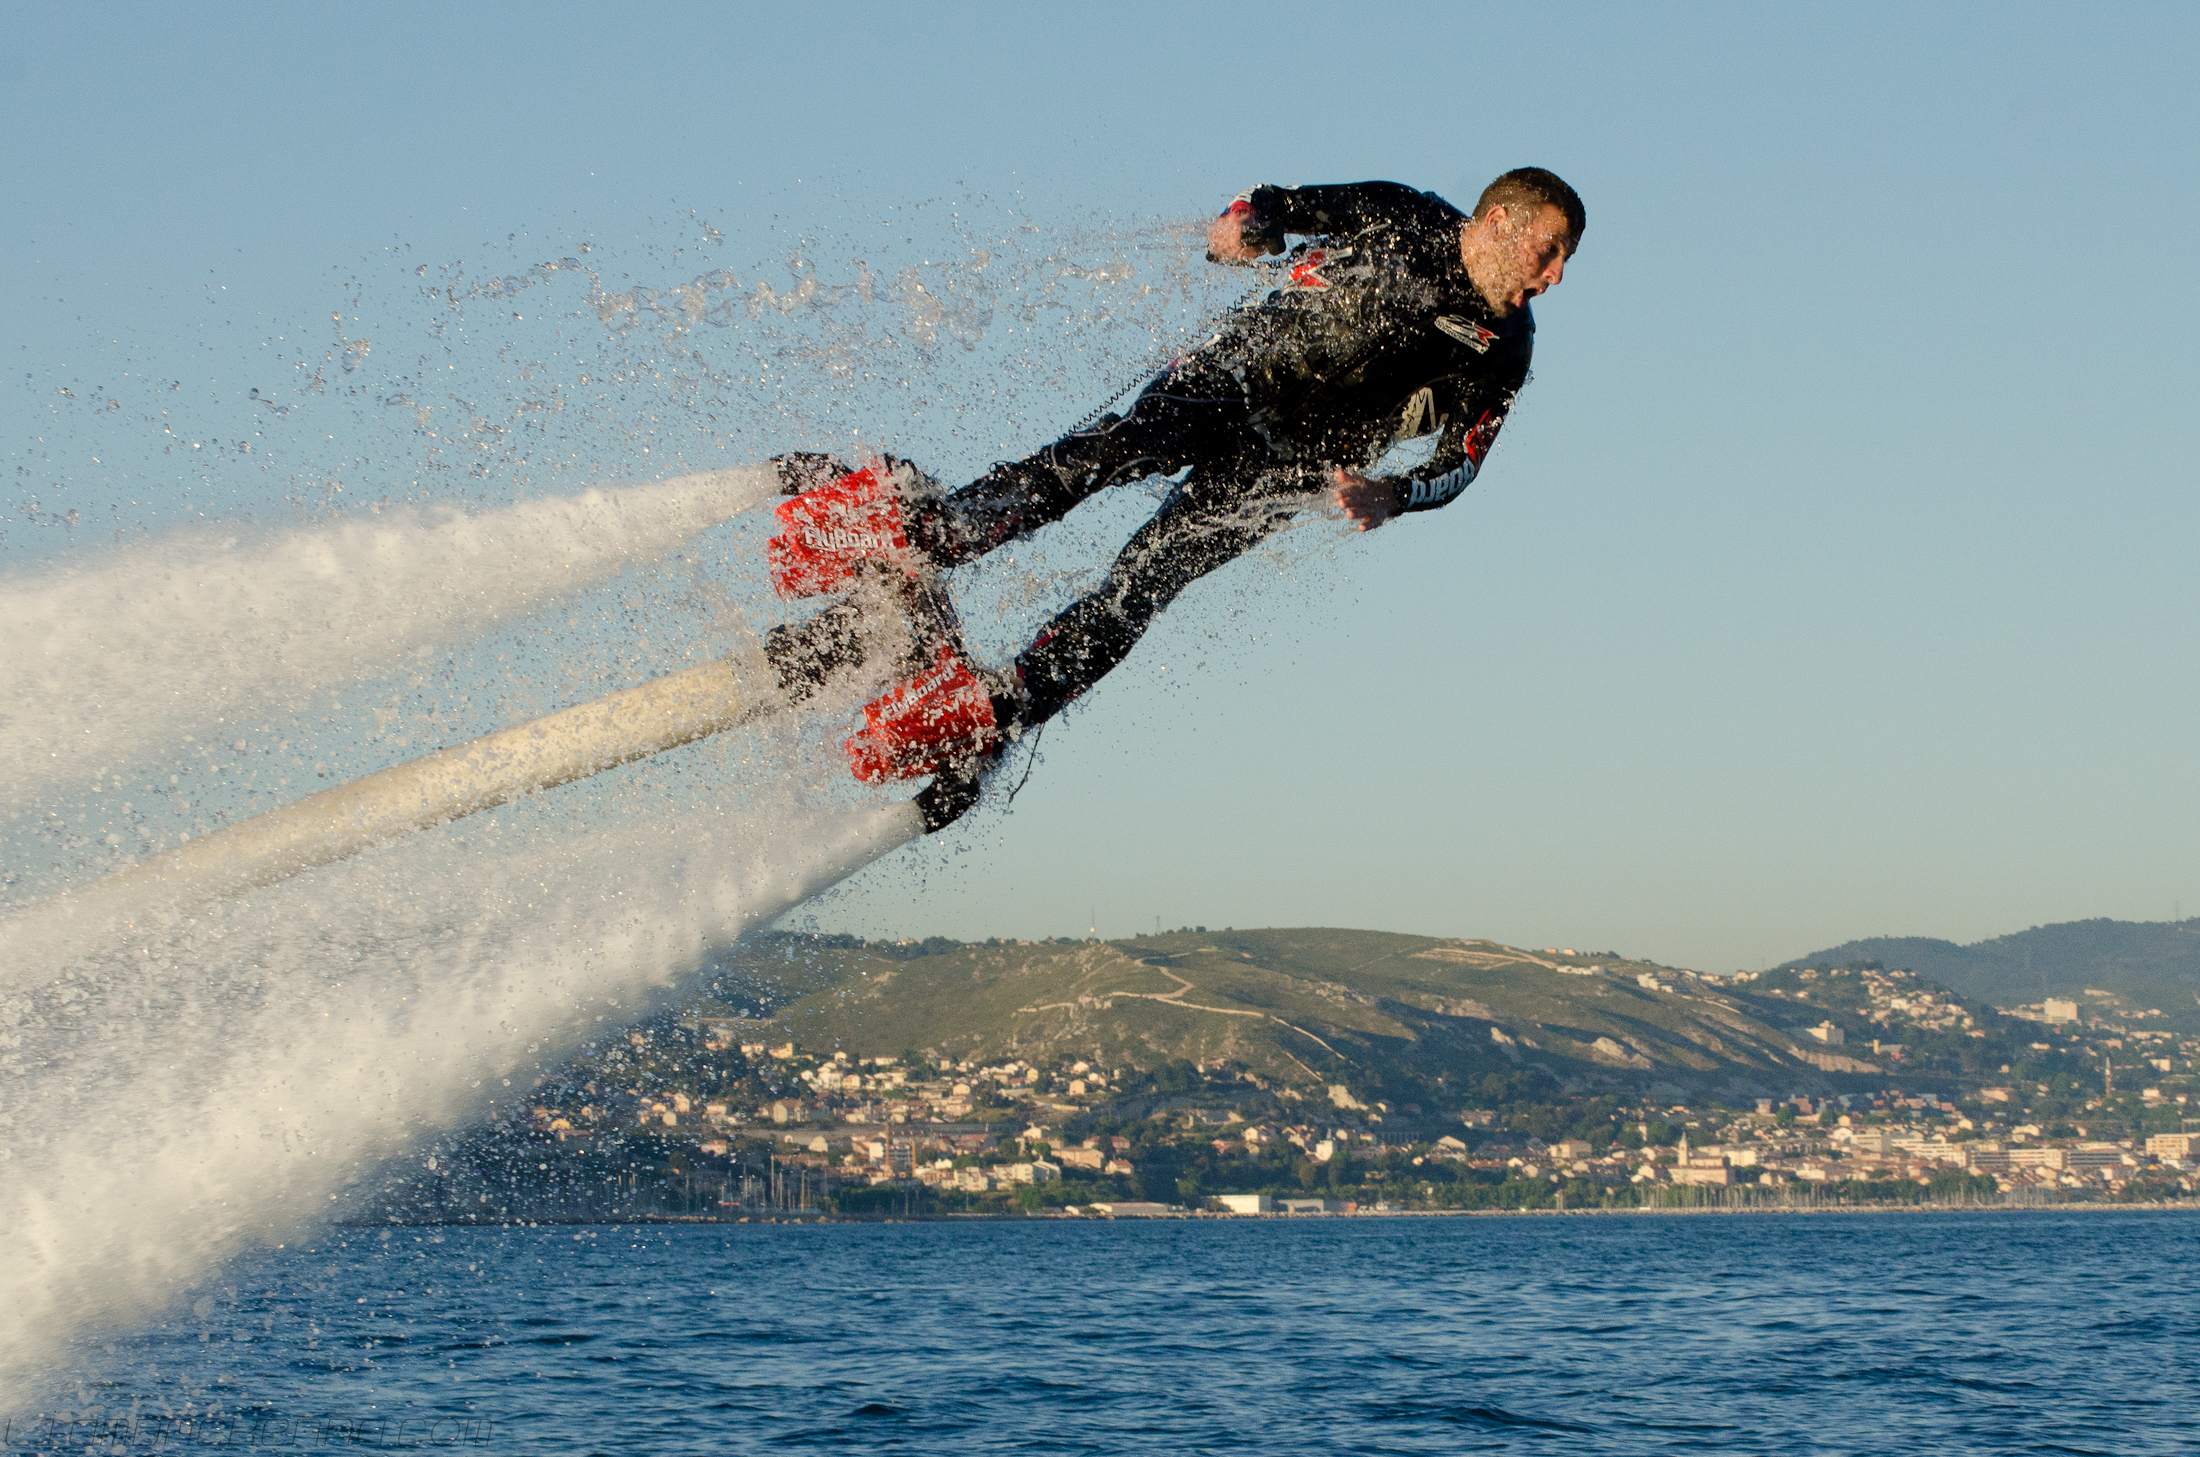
column 1092, row 931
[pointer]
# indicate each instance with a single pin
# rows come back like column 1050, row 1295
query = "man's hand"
column 1367, row 500
column 1226, row 241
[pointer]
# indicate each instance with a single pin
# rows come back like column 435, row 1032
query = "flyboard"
column 881, row 622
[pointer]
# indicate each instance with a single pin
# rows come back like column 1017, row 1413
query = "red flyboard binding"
column 840, row 521
column 939, row 722
column 847, row 530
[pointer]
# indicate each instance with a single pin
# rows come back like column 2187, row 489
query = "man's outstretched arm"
column 1369, row 501
column 1255, row 223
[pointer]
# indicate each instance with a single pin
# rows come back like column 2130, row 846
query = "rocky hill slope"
column 1309, row 1006
column 2109, row 967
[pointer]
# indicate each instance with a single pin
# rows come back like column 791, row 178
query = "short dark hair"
column 1533, row 187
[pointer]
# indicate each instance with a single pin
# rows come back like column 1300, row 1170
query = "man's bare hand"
column 1368, row 501
column 1226, row 238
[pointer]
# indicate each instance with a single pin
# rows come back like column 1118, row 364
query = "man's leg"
column 950, row 721
column 836, row 517
column 1206, row 522
column 1189, row 414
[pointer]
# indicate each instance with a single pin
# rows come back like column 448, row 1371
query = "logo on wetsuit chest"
column 1307, row 272
column 1467, row 332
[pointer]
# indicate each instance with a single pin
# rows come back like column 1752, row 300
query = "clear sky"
column 1834, row 578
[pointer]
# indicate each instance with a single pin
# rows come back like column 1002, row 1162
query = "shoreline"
column 819, row 1217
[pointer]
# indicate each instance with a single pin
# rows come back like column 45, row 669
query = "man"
column 1399, row 317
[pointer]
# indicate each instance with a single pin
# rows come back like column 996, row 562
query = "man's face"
column 1511, row 259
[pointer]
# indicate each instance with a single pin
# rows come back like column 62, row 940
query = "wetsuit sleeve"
column 1469, row 430
column 1337, row 208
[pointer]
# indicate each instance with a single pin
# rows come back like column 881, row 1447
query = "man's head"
column 1525, row 226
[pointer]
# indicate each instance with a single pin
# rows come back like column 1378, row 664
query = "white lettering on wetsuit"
column 1467, row 332
column 1443, row 489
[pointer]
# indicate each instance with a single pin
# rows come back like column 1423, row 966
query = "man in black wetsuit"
column 1399, row 317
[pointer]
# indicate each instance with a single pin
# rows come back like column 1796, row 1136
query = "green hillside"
column 1370, row 1009
column 2140, row 965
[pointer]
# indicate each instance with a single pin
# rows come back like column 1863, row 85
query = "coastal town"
column 2091, row 1104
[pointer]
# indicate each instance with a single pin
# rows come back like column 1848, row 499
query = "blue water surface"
column 2065, row 1332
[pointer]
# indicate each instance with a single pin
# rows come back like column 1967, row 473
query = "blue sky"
column 1833, row 578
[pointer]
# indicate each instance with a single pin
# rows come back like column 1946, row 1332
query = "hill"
column 2138, row 965
column 1409, row 1018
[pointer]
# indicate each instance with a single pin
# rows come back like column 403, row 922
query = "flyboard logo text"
column 948, row 673
column 840, row 538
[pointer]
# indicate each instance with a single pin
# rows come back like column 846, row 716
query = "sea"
column 2047, row 1331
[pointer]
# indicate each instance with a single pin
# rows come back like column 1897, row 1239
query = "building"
column 1310, row 1206
column 2095, row 1156
column 1134, row 1209
column 2172, row 1145
column 1703, row 1171
column 1827, row 1033
column 2059, row 1009
column 1689, row 1168
column 1247, row 1203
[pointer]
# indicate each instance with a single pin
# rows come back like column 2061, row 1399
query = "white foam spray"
column 221, row 1089
column 219, row 1082
column 106, row 660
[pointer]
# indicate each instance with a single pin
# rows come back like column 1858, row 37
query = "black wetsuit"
column 1377, row 336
